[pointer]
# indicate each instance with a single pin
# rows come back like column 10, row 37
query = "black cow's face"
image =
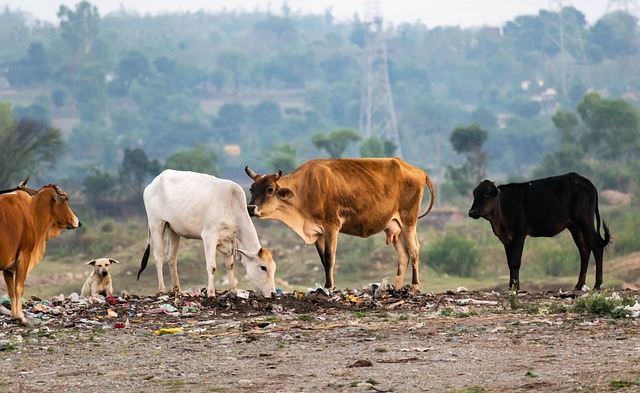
column 266, row 194
column 485, row 196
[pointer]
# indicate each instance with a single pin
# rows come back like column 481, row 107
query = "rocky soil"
column 345, row 341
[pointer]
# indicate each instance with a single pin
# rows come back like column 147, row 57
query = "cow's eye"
column 251, row 189
column 270, row 190
column 263, row 268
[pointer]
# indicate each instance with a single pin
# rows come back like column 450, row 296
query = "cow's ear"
column 92, row 263
column 286, row 193
column 113, row 261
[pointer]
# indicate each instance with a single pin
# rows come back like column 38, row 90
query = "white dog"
column 99, row 281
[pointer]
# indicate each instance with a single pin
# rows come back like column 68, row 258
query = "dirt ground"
column 343, row 341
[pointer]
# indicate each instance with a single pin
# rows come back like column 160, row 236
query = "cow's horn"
column 279, row 174
column 251, row 173
column 24, row 182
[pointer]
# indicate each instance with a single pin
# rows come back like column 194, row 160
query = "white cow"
column 199, row 206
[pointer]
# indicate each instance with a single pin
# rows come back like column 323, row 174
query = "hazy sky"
column 464, row 13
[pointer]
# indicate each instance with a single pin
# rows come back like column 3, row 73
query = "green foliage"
column 282, row 157
column 335, row 143
column 600, row 305
column 559, row 260
column 375, row 147
column 468, row 140
column 79, row 28
column 626, row 239
column 454, row 255
column 197, row 159
column 28, row 146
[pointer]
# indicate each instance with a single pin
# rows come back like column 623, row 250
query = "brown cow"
column 26, row 223
column 356, row 196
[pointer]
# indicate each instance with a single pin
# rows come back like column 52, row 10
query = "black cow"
column 543, row 208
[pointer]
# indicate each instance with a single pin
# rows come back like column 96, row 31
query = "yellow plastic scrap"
column 352, row 298
column 162, row 331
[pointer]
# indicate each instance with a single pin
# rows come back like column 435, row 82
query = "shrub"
column 454, row 255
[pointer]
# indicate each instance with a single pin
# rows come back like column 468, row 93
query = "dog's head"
column 101, row 266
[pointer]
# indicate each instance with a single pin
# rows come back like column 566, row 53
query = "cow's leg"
column 233, row 283
column 210, row 248
column 403, row 261
column 328, row 255
column 514, row 260
column 409, row 240
column 20, row 277
column 585, row 252
column 9, row 279
column 174, row 244
column 157, row 237
column 15, row 287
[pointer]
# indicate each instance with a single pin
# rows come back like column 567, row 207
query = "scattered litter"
column 163, row 331
column 361, row 363
column 242, row 294
column 634, row 311
column 416, row 349
column 111, row 313
column 476, row 302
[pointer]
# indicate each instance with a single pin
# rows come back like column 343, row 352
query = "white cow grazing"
column 199, row 206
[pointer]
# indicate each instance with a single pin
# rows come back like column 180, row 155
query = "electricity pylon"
column 565, row 34
column 628, row 6
column 377, row 111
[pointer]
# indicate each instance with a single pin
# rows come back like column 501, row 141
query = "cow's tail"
column 432, row 196
column 607, row 237
column 145, row 256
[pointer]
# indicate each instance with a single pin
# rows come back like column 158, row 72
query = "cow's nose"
column 252, row 210
column 473, row 213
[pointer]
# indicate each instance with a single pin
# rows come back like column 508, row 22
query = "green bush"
column 454, row 255
column 560, row 261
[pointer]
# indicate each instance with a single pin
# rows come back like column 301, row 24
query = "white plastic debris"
column 242, row 294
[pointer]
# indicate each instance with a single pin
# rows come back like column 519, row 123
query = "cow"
column 543, row 208
column 200, row 206
column 355, row 196
column 26, row 223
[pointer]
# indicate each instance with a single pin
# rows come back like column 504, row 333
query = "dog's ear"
column 92, row 263
column 113, row 261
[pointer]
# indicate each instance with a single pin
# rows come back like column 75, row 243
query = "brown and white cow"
column 26, row 223
column 355, row 196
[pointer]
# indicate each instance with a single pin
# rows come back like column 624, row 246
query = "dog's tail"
column 145, row 256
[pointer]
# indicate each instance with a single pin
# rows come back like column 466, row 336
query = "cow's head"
column 266, row 194
column 485, row 197
column 261, row 270
column 51, row 200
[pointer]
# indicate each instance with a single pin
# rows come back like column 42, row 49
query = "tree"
column 616, row 34
column 282, row 156
column 335, row 143
column 468, row 141
column 231, row 117
column 375, row 147
column 233, row 61
column 134, row 168
column 612, row 127
column 27, row 146
column 89, row 90
column 79, row 28
column 197, row 160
